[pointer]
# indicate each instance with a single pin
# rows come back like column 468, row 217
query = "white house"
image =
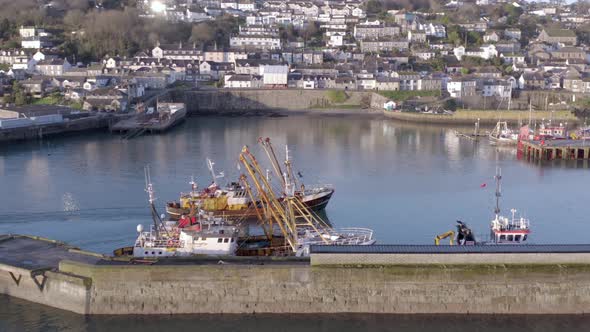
column 274, row 75
column 435, row 30
column 336, row 39
column 485, row 52
column 27, row 31
column 497, row 88
column 256, row 41
column 459, row 88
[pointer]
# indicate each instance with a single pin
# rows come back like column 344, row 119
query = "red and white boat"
column 504, row 230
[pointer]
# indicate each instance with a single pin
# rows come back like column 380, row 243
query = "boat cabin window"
column 145, row 253
column 219, row 240
column 524, row 237
column 517, row 238
column 502, row 237
column 232, row 239
column 226, row 240
column 153, row 252
column 510, row 237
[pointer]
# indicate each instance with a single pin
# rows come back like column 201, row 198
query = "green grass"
column 57, row 99
column 48, row 100
column 405, row 95
column 337, row 96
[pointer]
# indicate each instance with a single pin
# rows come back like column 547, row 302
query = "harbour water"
column 407, row 182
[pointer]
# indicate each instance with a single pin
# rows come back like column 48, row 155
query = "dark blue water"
column 407, row 182
column 19, row 315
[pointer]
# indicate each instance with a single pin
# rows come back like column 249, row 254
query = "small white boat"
column 502, row 135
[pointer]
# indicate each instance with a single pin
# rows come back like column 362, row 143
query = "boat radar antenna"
column 210, row 165
column 498, row 190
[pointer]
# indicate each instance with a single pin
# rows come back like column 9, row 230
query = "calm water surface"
column 407, row 182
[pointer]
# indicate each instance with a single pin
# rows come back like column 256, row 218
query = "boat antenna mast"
column 193, row 186
column 149, row 188
column 210, row 165
column 289, row 167
column 498, row 178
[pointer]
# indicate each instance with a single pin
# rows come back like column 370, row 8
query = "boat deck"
column 34, row 253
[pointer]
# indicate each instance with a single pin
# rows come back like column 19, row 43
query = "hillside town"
column 457, row 51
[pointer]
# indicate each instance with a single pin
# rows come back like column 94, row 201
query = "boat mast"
column 210, row 165
column 193, row 186
column 149, row 188
column 498, row 191
column 289, row 168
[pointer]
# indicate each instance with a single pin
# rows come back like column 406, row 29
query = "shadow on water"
column 20, row 315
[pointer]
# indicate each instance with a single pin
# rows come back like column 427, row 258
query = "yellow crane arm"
column 443, row 236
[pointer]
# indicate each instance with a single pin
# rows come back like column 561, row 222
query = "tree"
column 18, row 94
column 202, row 34
column 373, row 7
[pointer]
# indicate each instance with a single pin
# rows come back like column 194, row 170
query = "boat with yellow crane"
column 233, row 203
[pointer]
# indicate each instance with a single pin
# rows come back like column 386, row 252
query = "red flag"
column 483, row 185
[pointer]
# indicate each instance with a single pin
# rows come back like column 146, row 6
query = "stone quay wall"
column 230, row 101
column 349, row 283
column 334, row 289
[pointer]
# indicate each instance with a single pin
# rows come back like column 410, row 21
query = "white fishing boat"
column 503, row 135
column 504, row 230
column 200, row 234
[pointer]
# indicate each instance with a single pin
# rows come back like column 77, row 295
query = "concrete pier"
column 555, row 150
column 61, row 276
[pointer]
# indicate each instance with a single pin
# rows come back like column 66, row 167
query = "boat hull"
column 316, row 202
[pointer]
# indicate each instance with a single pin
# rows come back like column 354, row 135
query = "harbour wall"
column 469, row 117
column 240, row 101
column 74, row 125
column 301, row 288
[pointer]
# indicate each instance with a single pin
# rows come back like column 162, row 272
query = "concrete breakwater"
column 239, row 101
column 61, row 276
column 469, row 117
column 71, row 126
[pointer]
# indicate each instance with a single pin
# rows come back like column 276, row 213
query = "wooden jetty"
column 562, row 149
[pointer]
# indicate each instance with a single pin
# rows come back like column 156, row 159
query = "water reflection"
column 19, row 315
column 408, row 182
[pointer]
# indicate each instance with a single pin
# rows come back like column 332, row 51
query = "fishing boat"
column 507, row 230
column 233, row 202
column 549, row 131
column 299, row 225
column 503, row 230
column 200, row 234
column 502, row 135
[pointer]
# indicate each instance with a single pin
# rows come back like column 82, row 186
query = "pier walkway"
column 563, row 149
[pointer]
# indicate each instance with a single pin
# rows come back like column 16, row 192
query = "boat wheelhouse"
column 511, row 231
